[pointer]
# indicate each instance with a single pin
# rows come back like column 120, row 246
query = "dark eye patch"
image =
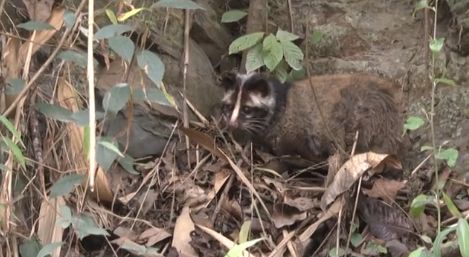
column 256, row 112
column 227, row 108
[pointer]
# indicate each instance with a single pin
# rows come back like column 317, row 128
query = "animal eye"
column 247, row 109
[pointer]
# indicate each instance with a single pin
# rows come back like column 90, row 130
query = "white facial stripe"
column 237, row 106
column 228, row 96
column 256, row 100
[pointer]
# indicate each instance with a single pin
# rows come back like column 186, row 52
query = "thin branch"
column 187, row 25
column 91, row 98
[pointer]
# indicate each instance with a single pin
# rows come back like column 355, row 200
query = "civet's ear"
column 258, row 84
column 228, row 80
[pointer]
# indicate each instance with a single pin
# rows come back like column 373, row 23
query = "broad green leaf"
column 65, row 216
column 281, row 71
column 437, row 44
column 374, row 249
column 283, row 35
column 35, row 25
column 111, row 16
column 69, row 19
column 135, row 248
column 10, row 127
column 48, row 249
column 245, row 42
column 16, row 151
column 334, row 252
column 421, row 5
column 126, row 15
column 356, row 239
column 254, row 58
column 111, row 147
column 152, row 65
column 116, row 98
column 450, row 155
column 244, row 231
column 123, row 46
column 178, row 4
column 82, row 117
column 128, row 164
column 417, row 252
column 85, row 226
column 413, row 123
column 296, row 75
column 153, row 95
column 112, row 30
column 15, row 86
column 316, row 37
column 293, row 54
column 65, row 185
column 55, row 112
column 105, row 156
column 418, row 204
column 239, row 248
column 272, row 52
column 445, row 81
column 233, row 15
column 439, row 240
column 30, row 248
column 463, row 237
column 451, row 206
column 73, row 56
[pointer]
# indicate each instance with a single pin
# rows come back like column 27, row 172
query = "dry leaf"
column 154, row 235
column 302, row 203
column 385, row 188
column 349, row 173
column 223, row 240
column 182, row 234
column 49, row 230
column 38, row 10
column 285, row 215
column 204, row 140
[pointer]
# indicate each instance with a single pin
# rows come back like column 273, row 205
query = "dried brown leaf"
column 223, row 240
column 286, row 215
column 49, row 230
column 385, row 188
column 349, row 173
column 204, row 140
column 154, row 235
column 182, row 234
column 38, row 10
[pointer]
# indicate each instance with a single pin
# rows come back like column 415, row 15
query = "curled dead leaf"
column 385, row 188
column 182, row 234
column 286, row 215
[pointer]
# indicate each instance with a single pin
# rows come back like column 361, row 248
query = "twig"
column 185, row 114
column 91, row 100
column 257, row 15
column 43, row 67
column 290, row 16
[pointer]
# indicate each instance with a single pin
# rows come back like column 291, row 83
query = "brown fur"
column 349, row 102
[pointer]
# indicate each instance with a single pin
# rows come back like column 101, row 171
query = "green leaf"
column 356, row 239
column 10, row 127
column 112, row 147
column 283, row 35
column 69, row 19
column 82, row 117
column 239, row 248
column 413, row 123
column 418, row 204
column 65, row 219
column 178, row 4
column 65, row 185
column 451, row 206
column 244, row 231
column 293, row 54
column 437, row 44
column 334, row 253
column 48, row 249
column 152, row 65
column 55, row 112
column 112, row 30
column 417, row 252
column 245, row 42
column 123, row 46
column 35, row 25
column 128, row 164
column 16, row 151
column 272, row 52
column 73, row 56
column 105, row 156
column 116, row 98
column 254, row 58
column 15, row 86
column 111, row 16
column 85, row 226
column 153, row 95
column 374, row 249
column 463, row 237
column 421, row 5
column 30, row 248
column 232, row 16
column 281, row 71
column 445, row 81
column 439, row 240
column 126, row 15
column 316, row 37
column 450, row 155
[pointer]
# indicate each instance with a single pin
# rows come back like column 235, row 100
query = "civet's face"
column 248, row 103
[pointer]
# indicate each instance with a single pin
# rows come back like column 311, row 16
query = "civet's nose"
column 233, row 124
